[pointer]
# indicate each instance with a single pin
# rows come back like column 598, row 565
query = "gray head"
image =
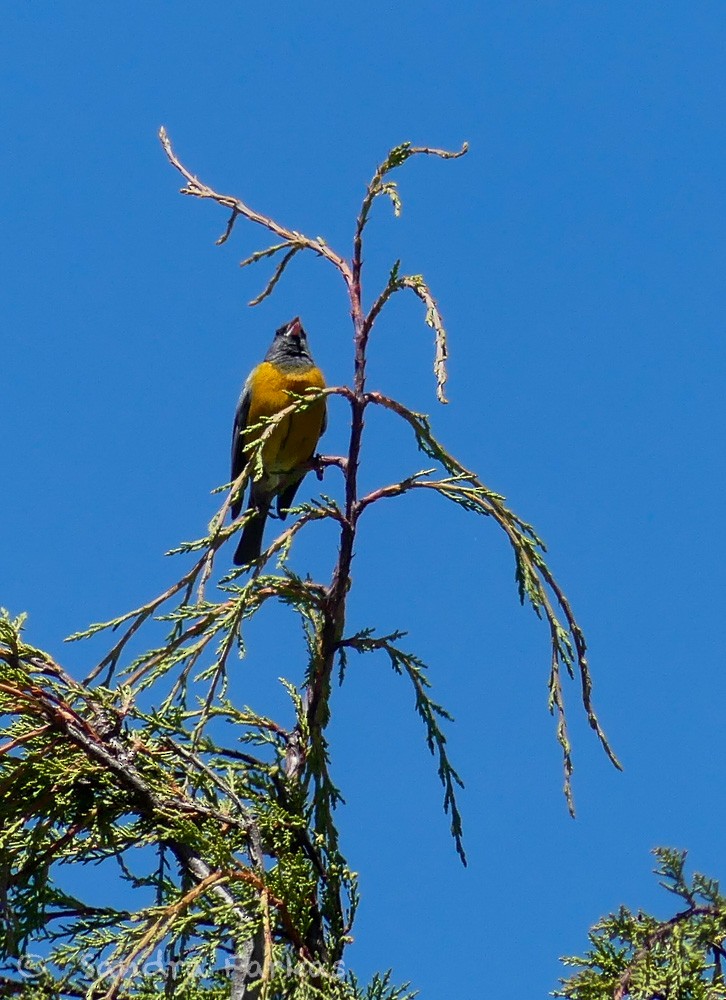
column 289, row 348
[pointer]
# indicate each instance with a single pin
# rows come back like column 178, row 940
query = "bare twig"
column 270, row 286
column 198, row 189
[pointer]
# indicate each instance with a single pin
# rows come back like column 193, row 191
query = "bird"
column 288, row 368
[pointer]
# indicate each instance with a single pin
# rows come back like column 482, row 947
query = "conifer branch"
column 244, row 804
column 639, row 955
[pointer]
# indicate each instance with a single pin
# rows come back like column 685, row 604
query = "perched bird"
column 288, row 368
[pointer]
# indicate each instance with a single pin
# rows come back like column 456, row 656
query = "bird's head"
column 291, row 341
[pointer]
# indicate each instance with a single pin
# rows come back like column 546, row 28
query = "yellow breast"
column 293, row 441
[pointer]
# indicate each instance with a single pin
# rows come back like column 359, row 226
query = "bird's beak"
column 295, row 327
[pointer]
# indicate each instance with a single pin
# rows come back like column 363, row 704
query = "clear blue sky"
column 577, row 254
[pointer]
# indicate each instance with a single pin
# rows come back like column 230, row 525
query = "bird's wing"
column 238, row 443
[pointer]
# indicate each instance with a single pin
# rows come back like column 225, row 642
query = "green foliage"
column 380, row 989
column 216, row 820
column 430, row 712
column 100, row 781
column 636, row 955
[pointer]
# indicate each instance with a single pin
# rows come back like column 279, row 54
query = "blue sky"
column 577, row 254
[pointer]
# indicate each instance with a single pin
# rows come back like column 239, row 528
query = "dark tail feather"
column 250, row 544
